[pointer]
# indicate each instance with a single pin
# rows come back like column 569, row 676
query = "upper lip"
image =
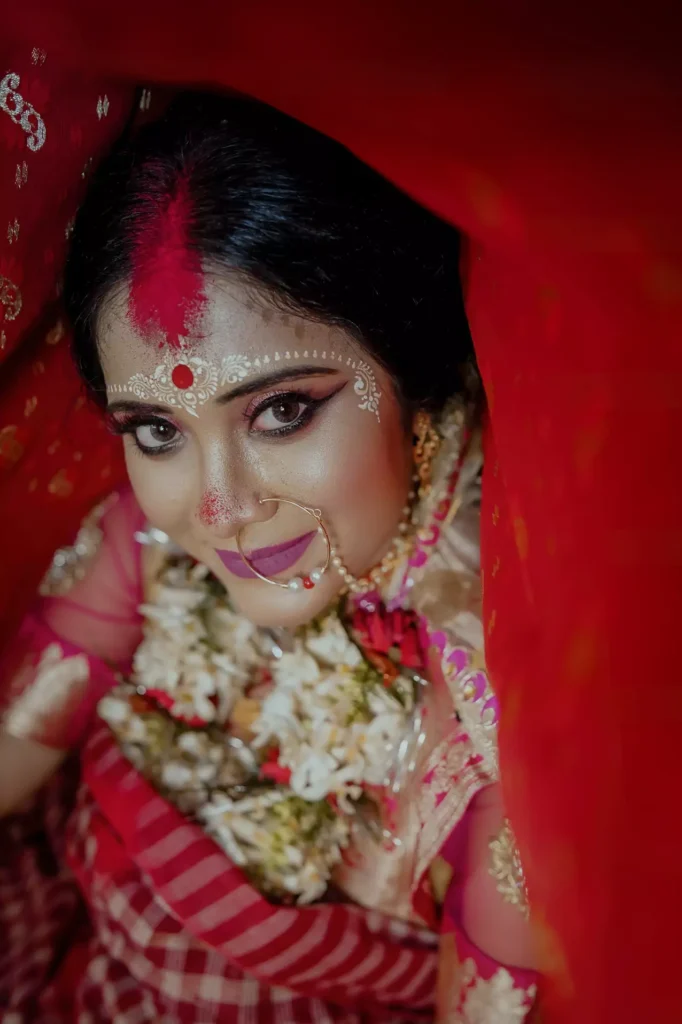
column 269, row 560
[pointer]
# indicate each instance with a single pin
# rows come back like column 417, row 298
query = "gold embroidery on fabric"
column 60, row 485
column 21, row 112
column 10, row 448
column 70, row 564
column 42, row 711
column 56, row 334
column 102, row 106
column 3, row 341
column 476, row 706
column 495, row 999
column 10, row 298
column 450, row 782
column 38, row 56
column 30, row 407
column 13, row 231
column 507, row 870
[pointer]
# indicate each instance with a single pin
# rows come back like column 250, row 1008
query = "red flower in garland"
column 393, row 636
column 165, row 700
column 272, row 770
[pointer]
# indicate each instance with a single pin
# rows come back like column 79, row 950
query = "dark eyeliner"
column 132, row 422
column 312, row 406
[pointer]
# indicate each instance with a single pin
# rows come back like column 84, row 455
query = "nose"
column 225, row 513
column 228, row 499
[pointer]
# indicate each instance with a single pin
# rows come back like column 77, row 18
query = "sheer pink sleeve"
column 487, row 952
column 82, row 631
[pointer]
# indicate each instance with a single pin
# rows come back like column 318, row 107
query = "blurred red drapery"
column 555, row 146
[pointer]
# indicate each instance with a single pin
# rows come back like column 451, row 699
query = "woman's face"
column 292, row 410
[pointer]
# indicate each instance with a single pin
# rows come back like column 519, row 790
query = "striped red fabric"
column 179, row 927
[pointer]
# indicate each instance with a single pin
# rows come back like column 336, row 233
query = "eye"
column 285, row 411
column 154, row 436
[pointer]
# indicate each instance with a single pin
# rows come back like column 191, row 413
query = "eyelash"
column 255, row 410
column 131, row 423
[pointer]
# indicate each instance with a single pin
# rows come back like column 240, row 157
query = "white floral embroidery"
column 37, row 710
column 495, row 1001
column 21, row 112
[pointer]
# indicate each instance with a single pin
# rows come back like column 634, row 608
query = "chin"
column 272, row 607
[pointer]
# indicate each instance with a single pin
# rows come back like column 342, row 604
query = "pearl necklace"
column 399, row 546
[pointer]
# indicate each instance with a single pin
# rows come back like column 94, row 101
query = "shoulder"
column 117, row 517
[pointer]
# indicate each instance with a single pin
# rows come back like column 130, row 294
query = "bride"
column 267, row 653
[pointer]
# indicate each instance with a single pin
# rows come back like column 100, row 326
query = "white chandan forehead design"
column 186, row 382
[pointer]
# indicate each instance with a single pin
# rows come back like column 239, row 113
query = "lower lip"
column 275, row 561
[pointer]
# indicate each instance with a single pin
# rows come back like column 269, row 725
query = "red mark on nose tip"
column 213, row 508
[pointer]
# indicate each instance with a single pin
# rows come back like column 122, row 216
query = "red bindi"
column 182, row 376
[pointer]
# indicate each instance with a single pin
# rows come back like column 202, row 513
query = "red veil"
column 553, row 148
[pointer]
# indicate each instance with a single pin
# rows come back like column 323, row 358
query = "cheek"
column 163, row 488
column 360, row 475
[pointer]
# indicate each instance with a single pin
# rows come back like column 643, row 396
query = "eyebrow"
column 248, row 388
column 269, row 379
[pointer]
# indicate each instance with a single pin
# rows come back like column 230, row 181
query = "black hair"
column 296, row 214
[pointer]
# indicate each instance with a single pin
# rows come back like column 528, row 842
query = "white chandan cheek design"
column 188, row 382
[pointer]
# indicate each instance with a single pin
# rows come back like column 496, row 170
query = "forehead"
column 236, row 321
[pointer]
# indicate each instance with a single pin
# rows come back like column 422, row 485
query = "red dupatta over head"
column 555, row 149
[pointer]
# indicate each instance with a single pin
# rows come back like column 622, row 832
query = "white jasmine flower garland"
column 273, row 755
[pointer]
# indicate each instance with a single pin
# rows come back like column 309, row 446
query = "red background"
column 552, row 139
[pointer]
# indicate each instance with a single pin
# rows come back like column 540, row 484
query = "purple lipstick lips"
column 269, row 561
